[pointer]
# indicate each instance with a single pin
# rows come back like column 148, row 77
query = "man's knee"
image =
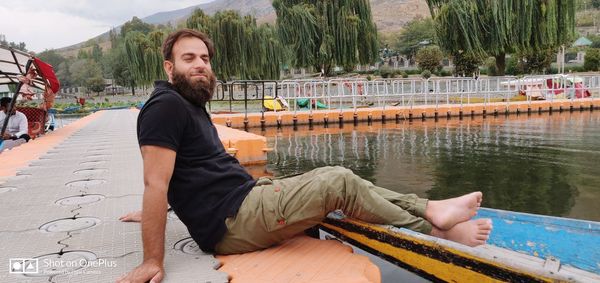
column 342, row 179
column 344, row 173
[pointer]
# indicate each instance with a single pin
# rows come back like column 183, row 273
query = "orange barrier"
column 301, row 259
column 248, row 148
column 287, row 118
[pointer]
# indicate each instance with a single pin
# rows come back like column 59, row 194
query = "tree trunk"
column 501, row 63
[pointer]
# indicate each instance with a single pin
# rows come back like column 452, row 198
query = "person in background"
column 17, row 124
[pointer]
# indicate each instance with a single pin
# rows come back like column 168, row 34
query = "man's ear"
column 168, row 66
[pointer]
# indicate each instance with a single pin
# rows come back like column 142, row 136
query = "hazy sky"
column 47, row 24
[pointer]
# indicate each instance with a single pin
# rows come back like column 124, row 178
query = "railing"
column 337, row 94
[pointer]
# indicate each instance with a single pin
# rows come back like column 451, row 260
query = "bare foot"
column 444, row 214
column 471, row 233
column 134, row 216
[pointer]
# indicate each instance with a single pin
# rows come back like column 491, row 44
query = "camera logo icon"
column 23, row 265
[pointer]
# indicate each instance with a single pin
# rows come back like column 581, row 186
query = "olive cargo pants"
column 276, row 210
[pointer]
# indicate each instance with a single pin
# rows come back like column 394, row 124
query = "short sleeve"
column 162, row 121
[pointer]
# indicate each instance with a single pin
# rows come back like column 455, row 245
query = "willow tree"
column 145, row 56
column 494, row 28
column 243, row 49
column 324, row 34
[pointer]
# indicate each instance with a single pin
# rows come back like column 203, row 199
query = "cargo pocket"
column 272, row 213
column 304, row 203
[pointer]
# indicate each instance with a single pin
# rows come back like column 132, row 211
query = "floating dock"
column 61, row 196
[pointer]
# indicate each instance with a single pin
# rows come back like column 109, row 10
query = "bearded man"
column 225, row 210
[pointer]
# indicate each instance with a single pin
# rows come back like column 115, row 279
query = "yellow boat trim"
column 445, row 271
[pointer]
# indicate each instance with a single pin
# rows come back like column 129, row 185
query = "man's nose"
column 199, row 64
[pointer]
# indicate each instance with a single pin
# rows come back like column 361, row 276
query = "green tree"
column 496, row 28
column 87, row 73
column 416, row 33
column 430, row 58
column 325, row 34
column 466, row 65
column 244, row 50
column 136, row 25
column 95, row 84
column 144, row 56
column 82, row 54
column 96, row 53
column 63, row 74
column 119, row 68
column 51, row 57
column 592, row 60
column 538, row 62
column 19, row 46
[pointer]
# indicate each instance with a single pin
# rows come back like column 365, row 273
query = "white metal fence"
column 355, row 93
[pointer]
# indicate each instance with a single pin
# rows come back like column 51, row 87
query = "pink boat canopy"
column 15, row 64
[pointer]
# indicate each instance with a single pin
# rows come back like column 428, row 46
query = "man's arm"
column 23, row 126
column 158, row 168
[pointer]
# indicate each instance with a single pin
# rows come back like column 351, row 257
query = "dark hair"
column 4, row 101
column 167, row 47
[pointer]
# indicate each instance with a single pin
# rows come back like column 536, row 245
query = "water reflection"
column 540, row 164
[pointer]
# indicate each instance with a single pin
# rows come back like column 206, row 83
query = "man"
column 17, row 123
column 224, row 209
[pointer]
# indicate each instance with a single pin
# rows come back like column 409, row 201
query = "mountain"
column 260, row 9
column 389, row 15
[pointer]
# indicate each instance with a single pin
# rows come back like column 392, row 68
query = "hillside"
column 389, row 15
column 258, row 8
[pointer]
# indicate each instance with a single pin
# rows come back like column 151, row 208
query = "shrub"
column 426, row 74
column 592, row 60
column 444, row 73
column 386, row 72
column 404, row 74
column 514, row 66
column 429, row 58
column 465, row 65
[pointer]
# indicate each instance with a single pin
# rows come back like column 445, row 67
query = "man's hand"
column 149, row 270
column 6, row 136
column 134, row 216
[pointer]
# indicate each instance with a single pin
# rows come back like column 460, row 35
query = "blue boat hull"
column 522, row 248
column 571, row 241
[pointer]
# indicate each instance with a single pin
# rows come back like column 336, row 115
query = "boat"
column 303, row 102
column 522, row 248
column 557, row 86
column 28, row 73
column 274, row 104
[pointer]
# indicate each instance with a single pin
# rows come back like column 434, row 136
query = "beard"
column 196, row 92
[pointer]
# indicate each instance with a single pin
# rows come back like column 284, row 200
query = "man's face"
column 190, row 72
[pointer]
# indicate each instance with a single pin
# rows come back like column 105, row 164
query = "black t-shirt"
column 208, row 185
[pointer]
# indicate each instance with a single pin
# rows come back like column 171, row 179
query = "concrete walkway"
column 62, row 208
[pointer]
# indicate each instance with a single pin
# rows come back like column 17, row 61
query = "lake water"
column 543, row 164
